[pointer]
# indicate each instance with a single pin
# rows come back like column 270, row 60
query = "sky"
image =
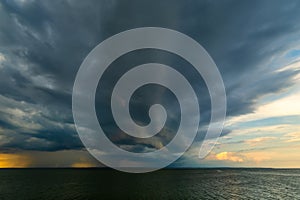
column 255, row 44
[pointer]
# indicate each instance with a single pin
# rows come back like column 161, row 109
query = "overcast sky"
column 255, row 44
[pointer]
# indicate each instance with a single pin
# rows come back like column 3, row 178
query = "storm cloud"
column 43, row 43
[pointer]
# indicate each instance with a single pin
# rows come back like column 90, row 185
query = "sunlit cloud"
column 293, row 137
column 255, row 157
column 2, row 58
column 257, row 141
column 231, row 156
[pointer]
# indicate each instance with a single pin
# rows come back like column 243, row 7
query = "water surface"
column 45, row 184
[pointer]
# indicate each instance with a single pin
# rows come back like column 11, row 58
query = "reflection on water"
column 165, row 184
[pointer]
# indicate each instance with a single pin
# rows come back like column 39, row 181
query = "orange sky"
column 14, row 160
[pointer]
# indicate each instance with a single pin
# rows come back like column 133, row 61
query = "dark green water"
column 44, row 184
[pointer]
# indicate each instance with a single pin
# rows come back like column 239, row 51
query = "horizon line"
column 167, row 168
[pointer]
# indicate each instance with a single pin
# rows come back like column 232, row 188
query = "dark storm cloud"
column 44, row 43
column 32, row 127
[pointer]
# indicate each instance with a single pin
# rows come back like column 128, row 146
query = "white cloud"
column 288, row 105
column 292, row 137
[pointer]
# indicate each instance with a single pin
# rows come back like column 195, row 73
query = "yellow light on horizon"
column 8, row 160
column 82, row 165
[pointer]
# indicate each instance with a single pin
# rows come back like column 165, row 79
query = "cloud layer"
column 43, row 43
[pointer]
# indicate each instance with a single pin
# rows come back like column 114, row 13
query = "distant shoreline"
column 171, row 168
